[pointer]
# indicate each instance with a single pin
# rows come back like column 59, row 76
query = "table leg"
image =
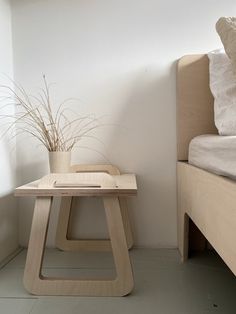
column 39, row 228
column 37, row 284
column 119, row 244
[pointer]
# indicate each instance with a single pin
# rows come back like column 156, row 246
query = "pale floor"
column 162, row 285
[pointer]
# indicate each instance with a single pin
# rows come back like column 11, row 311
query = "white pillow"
column 223, row 88
column 226, row 28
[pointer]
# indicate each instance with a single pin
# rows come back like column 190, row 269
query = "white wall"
column 118, row 58
column 8, row 210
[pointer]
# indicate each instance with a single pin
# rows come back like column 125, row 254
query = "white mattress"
column 214, row 153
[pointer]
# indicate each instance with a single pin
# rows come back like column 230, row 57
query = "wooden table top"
column 80, row 184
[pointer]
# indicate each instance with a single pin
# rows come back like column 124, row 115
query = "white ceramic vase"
column 59, row 162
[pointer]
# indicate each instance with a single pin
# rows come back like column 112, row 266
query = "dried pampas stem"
column 35, row 115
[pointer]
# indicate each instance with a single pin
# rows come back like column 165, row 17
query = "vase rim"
column 60, row 151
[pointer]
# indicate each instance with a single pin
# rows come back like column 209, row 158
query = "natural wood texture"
column 210, row 201
column 126, row 221
column 66, row 244
column 195, row 114
column 124, row 184
column 195, row 102
column 40, row 285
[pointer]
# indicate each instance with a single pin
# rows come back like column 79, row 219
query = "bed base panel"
column 210, row 201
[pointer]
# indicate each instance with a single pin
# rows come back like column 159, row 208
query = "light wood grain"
column 210, row 201
column 39, row 228
column 37, row 284
column 125, row 184
column 195, row 114
column 195, row 104
column 66, row 244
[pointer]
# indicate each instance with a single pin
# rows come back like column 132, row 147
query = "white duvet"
column 214, row 153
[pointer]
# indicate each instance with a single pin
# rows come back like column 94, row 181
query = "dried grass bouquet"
column 55, row 129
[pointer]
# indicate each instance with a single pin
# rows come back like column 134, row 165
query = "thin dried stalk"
column 34, row 115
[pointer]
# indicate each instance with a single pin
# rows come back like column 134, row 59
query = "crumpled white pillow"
column 223, row 88
column 226, row 28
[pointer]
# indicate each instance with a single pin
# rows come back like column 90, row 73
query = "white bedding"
column 214, row 153
column 223, row 88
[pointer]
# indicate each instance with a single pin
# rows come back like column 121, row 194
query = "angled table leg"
column 38, row 234
column 37, row 284
column 126, row 221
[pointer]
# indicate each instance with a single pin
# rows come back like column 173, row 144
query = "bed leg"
column 183, row 235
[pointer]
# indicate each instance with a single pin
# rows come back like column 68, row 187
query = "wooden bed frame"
column 207, row 199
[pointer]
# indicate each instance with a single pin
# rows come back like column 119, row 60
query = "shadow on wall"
column 143, row 144
column 25, row 174
column 30, row 171
column 148, row 148
column 8, row 161
column 8, row 203
column 8, row 225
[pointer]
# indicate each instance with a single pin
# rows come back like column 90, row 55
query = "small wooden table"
column 78, row 184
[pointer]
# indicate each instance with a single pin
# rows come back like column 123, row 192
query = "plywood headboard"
column 195, row 114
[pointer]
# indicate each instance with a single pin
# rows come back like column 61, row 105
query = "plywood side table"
column 110, row 188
